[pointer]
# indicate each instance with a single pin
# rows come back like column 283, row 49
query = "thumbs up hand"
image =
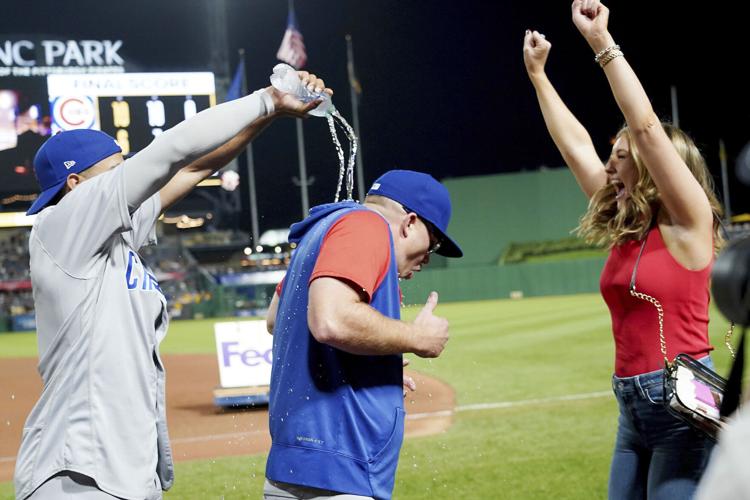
column 432, row 332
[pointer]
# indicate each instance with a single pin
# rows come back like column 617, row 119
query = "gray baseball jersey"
column 100, row 318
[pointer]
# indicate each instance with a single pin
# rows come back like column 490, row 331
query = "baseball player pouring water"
column 99, row 428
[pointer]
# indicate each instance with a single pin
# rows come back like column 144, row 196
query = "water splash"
column 353, row 149
column 339, row 152
column 346, row 169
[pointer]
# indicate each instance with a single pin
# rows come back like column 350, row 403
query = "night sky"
column 444, row 86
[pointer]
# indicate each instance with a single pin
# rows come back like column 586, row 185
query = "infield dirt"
column 198, row 429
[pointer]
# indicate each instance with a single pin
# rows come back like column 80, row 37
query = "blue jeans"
column 657, row 456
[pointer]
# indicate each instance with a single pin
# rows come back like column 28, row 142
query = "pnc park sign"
column 28, row 57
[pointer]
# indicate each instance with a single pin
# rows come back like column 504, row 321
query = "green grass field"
column 500, row 351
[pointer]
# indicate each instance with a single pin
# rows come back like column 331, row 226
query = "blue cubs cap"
column 68, row 152
column 422, row 194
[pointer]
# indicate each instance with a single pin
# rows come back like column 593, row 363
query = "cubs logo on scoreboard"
column 74, row 112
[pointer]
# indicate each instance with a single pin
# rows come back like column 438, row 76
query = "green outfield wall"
column 493, row 282
column 492, row 211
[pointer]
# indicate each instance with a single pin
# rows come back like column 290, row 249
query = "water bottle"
column 285, row 79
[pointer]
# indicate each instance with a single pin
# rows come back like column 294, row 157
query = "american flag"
column 292, row 49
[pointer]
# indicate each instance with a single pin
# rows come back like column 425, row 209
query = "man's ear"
column 72, row 181
column 407, row 221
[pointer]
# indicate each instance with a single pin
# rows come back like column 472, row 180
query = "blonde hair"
column 603, row 224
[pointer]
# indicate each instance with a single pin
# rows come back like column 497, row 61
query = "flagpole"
column 250, row 163
column 292, row 52
column 725, row 181
column 303, row 184
column 355, row 116
column 675, row 108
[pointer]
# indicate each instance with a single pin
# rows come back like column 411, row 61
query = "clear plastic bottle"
column 285, row 79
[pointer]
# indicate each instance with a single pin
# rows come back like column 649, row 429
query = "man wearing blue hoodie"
column 336, row 407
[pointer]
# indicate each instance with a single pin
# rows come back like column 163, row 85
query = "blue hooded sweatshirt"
column 336, row 419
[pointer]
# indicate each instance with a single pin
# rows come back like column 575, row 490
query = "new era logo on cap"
column 68, row 164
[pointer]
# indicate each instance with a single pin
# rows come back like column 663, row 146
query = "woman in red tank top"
column 654, row 186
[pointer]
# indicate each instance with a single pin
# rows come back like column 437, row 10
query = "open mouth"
column 620, row 191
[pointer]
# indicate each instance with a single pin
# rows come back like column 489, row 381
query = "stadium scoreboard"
column 131, row 107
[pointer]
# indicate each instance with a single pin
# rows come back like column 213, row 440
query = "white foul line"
column 217, row 437
column 508, row 404
column 410, row 416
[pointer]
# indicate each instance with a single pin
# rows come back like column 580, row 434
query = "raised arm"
column 189, row 176
column 190, row 147
column 570, row 137
column 682, row 195
column 337, row 316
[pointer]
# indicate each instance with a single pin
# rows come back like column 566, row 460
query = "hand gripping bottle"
column 285, row 79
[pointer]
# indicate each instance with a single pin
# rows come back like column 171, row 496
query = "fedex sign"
column 244, row 352
column 249, row 357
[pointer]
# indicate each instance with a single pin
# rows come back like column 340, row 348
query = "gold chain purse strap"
column 660, row 310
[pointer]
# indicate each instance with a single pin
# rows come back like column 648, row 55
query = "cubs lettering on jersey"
column 137, row 273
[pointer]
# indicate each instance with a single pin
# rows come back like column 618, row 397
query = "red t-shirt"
column 683, row 294
column 356, row 250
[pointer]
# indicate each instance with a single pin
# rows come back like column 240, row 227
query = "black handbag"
column 692, row 392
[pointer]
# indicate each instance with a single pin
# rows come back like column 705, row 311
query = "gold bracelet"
column 604, row 52
column 608, row 58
